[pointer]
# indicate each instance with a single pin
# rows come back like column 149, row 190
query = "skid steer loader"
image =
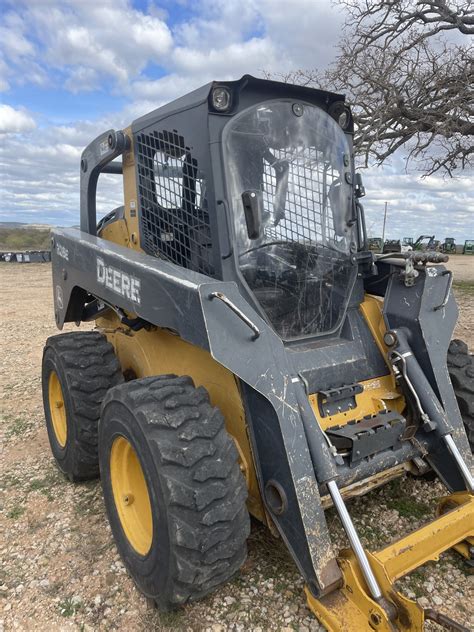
column 251, row 356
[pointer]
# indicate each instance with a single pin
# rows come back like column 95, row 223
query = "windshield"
column 288, row 168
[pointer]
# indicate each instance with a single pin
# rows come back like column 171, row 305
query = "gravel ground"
column 59, row 569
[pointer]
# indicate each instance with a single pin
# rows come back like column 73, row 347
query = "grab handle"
column 237, row 312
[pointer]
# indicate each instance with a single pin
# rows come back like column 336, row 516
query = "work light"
column 221, row 99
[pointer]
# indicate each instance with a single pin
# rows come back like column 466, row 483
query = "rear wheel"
column 78, row 370
column 173, row 489
column 461, row 371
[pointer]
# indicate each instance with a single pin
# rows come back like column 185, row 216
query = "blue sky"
column 70, row 69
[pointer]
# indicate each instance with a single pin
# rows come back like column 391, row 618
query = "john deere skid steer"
column 251, row 355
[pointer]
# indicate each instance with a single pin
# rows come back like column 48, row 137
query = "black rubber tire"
column 197, row 491
column 461, row 371
column 87, row 368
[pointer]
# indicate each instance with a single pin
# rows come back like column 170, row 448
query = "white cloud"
column 84, row 40
column 15, row 44
column 416, row 205
column 305, row 31
column 111, row 39
column 82, row 79
column 228, row 62
column 40, row 179
column 15, row 121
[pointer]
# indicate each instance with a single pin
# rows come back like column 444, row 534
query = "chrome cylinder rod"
column 354, row 540
column 466, row 474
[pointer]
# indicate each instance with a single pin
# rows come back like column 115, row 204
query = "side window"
column 174, row 221
column 169, row 186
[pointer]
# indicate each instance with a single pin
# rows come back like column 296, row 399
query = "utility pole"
column 384, row 222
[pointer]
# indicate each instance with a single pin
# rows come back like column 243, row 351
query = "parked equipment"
column 29, row 256
column 251, row 355
column 392, row 245
column 449, row 245
column 468, row 247
column 375, row 244
column 424, row 242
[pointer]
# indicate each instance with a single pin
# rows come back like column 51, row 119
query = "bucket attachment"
column 353, row 606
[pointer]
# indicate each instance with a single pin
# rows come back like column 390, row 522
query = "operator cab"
column 253, row 181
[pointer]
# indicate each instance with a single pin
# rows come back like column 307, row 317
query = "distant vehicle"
column 375, row 243
column 425, row 242
column 468, row 247
column 408, row 241
column 394, row 245
column 29, row 256
column 449, row 245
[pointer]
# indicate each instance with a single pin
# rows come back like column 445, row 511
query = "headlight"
column 341, row 114
column 221, row 99
column 343, row 119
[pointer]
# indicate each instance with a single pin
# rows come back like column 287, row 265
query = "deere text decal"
column 119, row 282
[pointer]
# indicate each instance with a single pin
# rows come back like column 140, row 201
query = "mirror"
column 253, row 205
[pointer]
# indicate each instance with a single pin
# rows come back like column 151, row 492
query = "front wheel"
column 173, row 489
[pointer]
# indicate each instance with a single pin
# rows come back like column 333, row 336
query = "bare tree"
column 407, row 66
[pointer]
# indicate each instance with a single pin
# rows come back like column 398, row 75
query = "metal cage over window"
column 174, row 221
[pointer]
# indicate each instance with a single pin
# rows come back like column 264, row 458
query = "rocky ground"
column 59, row 569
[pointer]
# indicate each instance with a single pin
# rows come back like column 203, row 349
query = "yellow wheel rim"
column 57, row 408
column 131, row 495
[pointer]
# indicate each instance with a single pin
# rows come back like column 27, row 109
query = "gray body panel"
column 417, row 311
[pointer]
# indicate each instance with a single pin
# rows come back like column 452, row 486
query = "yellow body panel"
column 117, row 232
column 378, row 394
column 57, row 409
column 371, row 308
column 428, row 542
column 130, row 198
column 351, row 608
column 131, row 496
column 158, row 351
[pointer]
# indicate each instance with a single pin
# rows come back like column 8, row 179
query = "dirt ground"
column 59, row 569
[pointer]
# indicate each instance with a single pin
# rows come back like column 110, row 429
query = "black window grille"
column 305, row 178
column 174, row 221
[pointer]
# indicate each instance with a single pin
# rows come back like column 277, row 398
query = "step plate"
column 369, row 435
